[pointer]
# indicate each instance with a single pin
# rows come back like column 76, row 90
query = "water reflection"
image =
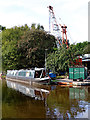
column 67, row 102
column 17, row 105
column 43, row 101
column 28, row 90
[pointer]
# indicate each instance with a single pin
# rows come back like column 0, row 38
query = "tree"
column 2, row 27
column 62, row 58
column 33, row 47
column 87, row 49
column 39, row 27
column 33, row 26
column 23, row 47
column 10, row 54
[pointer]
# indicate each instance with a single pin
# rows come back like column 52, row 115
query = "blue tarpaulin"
column 52, row 75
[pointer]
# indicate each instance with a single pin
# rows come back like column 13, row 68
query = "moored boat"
column 32, row 75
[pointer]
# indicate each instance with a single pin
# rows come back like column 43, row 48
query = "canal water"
column 44, row 101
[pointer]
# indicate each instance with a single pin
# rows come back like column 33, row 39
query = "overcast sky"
column 74, row 13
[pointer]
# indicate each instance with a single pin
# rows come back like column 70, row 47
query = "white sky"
column 74, row 13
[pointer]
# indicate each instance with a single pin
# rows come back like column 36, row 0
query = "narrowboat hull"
column 27, row 80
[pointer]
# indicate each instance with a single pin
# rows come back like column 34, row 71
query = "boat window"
column 43, row 75
column 24, row 74
column 37, row 74
column 13, row 73
column 27, row 74
column 19, row 74
column 16, row 73
column 30, row 74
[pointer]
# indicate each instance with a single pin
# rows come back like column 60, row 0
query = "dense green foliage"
column 62, row 59
column 87, row 49
column 0, row 50
column 24, row 47
column 32, row 48
column 10, row 38
column 2, row 27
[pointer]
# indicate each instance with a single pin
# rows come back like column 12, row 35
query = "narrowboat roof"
column 38, row 69
column 35, row 69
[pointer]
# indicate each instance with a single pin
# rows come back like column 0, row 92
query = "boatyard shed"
column 86, row 61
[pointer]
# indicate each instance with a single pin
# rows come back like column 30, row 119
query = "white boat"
column 32, row 75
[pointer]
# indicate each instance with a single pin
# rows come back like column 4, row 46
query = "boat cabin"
column 32, row 73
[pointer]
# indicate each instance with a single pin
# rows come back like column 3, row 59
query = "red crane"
column 55, row 30
column 64, row 32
